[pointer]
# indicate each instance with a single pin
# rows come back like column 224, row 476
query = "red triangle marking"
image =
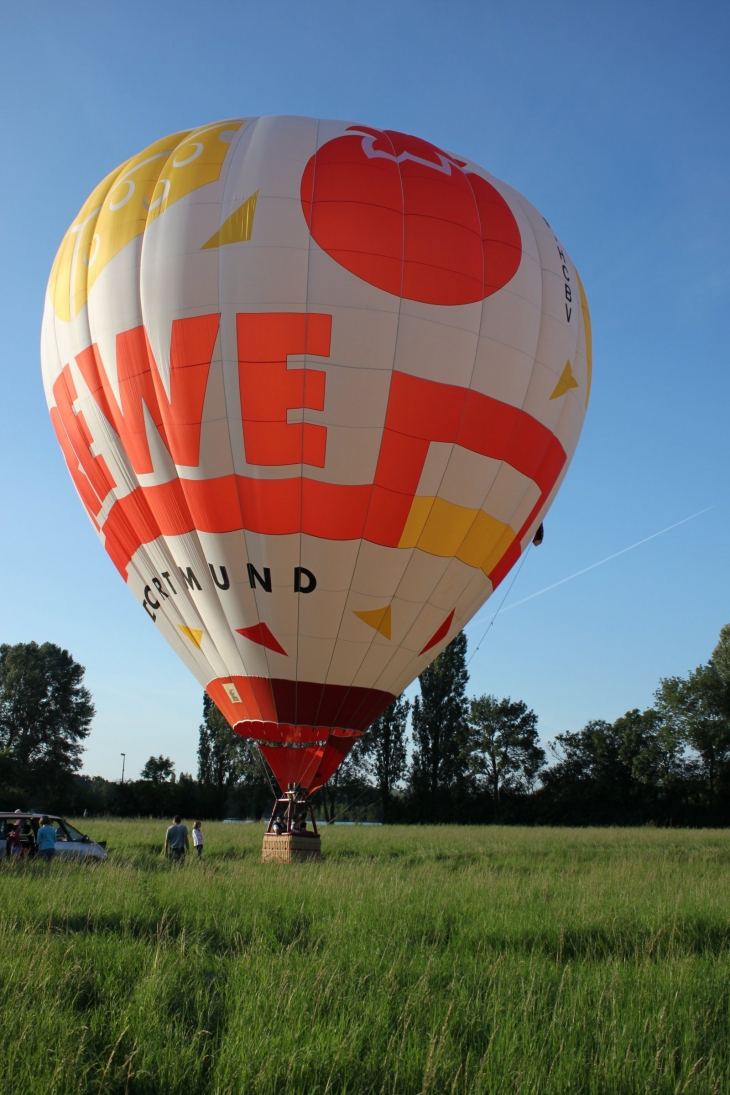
column 439, row 634
column 260, row 634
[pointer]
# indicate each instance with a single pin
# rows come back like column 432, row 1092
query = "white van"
column 70, row 843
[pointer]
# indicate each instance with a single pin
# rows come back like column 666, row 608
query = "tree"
column 8, row 773
column 626, row 772
column 507, row 752
column 383, row 752
column 441, row 733
column 721, row 655
column 228, row 763
column 224, row 758
column 348, row 793
column 45, row 715
column 698, row 709
column 590, row 781
column 159, row 770
column 651, row 752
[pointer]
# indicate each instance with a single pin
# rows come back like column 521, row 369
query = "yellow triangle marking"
column 195, row 636
column 377, row 618
column 566, row 382
column 237, row 228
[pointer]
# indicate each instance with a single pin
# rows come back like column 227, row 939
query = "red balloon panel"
column 403, row 215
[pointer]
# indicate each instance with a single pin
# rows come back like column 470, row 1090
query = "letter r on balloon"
column 269, row 388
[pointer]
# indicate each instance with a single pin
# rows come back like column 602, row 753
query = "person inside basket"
column 278, row 826
column 176, row 840
column 300, row 825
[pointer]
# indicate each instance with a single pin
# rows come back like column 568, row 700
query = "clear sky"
column 612, row 117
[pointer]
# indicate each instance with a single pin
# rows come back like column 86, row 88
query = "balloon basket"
column 287, row 839
column 290, row 848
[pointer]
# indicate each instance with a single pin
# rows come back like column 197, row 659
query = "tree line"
column 444, row 758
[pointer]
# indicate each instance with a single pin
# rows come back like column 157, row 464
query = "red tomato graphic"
column 403, row 215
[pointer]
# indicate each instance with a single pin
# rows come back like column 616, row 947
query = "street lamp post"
column 124, row 758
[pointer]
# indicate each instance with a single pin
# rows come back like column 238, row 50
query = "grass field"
column 411, row 960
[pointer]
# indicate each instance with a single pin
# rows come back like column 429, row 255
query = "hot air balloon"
column 317, row 385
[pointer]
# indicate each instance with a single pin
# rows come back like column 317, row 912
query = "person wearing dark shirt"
column 176, row 840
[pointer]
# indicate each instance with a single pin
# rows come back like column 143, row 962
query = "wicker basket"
column 290, row 848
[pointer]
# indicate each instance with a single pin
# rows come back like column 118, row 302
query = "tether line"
column 494, row 617
column 351, row 804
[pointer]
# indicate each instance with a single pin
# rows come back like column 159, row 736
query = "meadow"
column 411, row 960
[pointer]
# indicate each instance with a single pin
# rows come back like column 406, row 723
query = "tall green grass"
column 411, row 960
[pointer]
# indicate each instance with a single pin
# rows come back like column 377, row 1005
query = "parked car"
column 70, row 843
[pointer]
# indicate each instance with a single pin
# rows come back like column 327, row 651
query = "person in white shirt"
column 198, row 839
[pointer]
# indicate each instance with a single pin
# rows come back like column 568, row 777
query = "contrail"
column 607, row 559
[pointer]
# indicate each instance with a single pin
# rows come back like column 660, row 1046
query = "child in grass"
column 198, row 839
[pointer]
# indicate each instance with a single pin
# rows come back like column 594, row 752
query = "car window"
column 61, row 833
column 73, row 834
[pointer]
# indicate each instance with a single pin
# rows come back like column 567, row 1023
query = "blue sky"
column 611, row 117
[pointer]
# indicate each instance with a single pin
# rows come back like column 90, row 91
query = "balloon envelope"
column 317, row 385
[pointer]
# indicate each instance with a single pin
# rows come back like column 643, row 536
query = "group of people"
column 22, row 841
column 299, row 825
column 177, row 837
column 177, row 840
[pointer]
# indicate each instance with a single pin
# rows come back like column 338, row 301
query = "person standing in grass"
column 176, row 840
column 13, row 841
column 46, row 840
column 198, row 839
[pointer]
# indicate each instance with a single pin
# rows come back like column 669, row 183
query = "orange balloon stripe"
column 343, row 512
column 81, row 482
column 419, row 412
column 269, row 388
column 177, row 419
column 90, row 473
